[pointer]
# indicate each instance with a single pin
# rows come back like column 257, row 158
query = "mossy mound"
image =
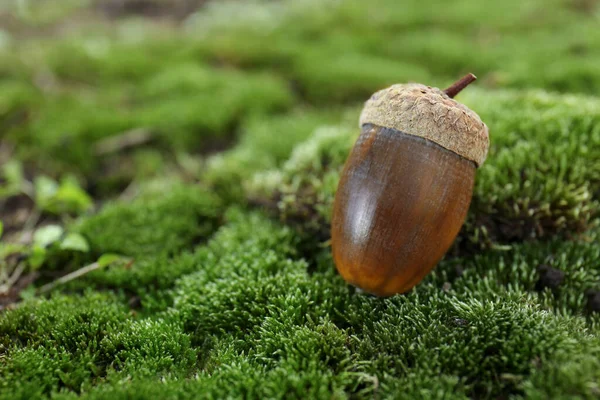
column 167, row 171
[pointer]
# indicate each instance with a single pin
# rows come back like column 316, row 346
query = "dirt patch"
column 593, row 300
column 13, row 296
column 586, row 7
column 549, row 277
column 177, row 9
column 15, row 212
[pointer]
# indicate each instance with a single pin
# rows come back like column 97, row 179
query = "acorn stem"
column 460, row 85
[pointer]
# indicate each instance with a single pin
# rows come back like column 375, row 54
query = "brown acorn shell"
column 401, row 201
column 430, row 113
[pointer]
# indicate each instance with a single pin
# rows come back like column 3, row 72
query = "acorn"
column 406, row 186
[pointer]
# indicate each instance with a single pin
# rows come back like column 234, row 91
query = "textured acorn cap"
column 429, row 113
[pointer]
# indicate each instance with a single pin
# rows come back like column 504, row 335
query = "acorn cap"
column 432, row 114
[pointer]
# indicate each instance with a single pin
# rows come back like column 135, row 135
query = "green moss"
column 325, row 77
column 572, row 373
column 165, row 221
column 62, row 338
column 171, row 106
column 243, row 274
column 352, row 49
column 34, row 322
column 15, row 96
column 77, row 92
column 542, row 175
column 264, row 143
column 149, row 348
column 185, row 101
column 242, row 116
column 479, row 341
column 97, row 59
column 76, row 342
column 518, row 269
column 486, row 343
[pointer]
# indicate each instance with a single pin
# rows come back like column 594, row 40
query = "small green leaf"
column 12, row 177
column 13, row 172
column 37, row 256
column 107, row 259
column 66, row 197
column 71, row 198
column 45, row 190
column 28, row 293
column 47, row 235
column 76, row 242
column 7, row 249
column 1, row 228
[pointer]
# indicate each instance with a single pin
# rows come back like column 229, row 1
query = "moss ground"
column 189, row 152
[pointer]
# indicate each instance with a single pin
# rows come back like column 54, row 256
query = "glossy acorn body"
column 402, row 197
column 400, row 204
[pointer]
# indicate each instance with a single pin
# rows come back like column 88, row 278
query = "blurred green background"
column 185, row 154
